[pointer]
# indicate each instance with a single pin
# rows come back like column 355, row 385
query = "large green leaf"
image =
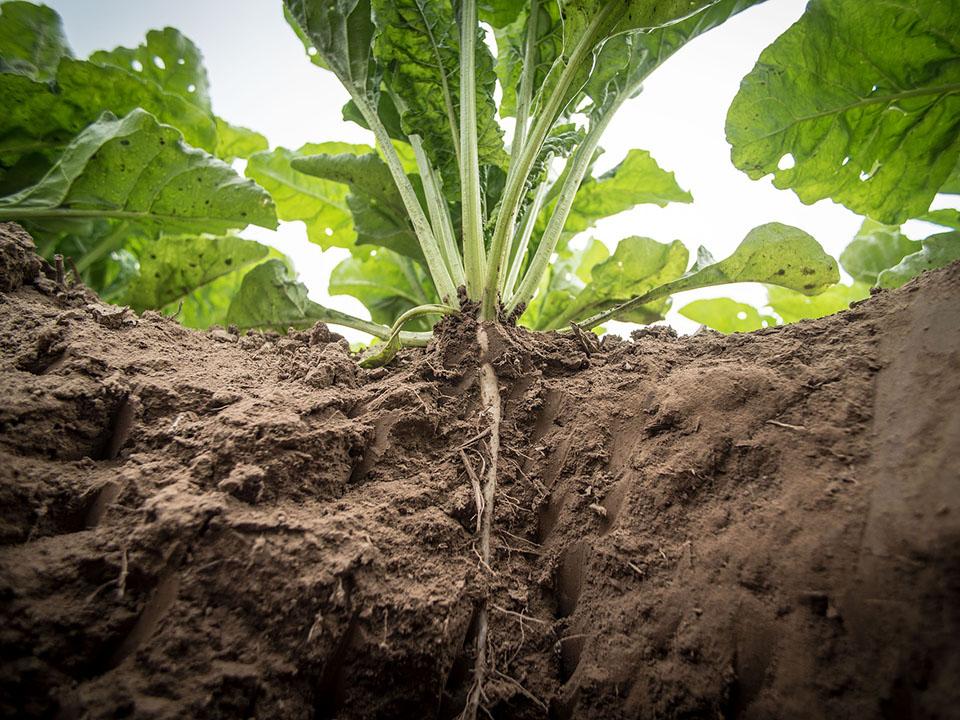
column 774, row 253
column 858, row 102
column 173, row 267
column 167, row 58
column 637, row 17
column 635, row 181
column 320, row 204
column 41, row 119
column 937, row 251
column 726, row 315
column 875, row 248
column 792, row 306
column 32, row 40
column 339, row 35
column 418, row 44
column 388, row 284
column 209, row 304
column 271, row 297
column 379, row 216
column 139, row 170
column 637, row 266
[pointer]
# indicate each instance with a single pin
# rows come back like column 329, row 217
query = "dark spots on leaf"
column 809, row 286
column 808, row 271
column 243, row 213
column 206, row 202
column 193, row 265
column 153, row 257
column 228, row 261
column 199, row 179
column 781, row 271
column 162, row 141
column 124, row 142
column 157, row 274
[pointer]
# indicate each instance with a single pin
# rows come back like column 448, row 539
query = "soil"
column 204, row 525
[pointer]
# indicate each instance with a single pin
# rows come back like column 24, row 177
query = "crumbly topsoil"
column 201, row 525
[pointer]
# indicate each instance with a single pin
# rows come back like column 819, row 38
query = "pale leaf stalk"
column 526, row 232
column 579, row 166
column 525, row 92
column 473, row 241
column 520, row 171
column 410, row 273
column 439, row 213
column 421, row 226
column 395, row 339
column 335, row 317
column 611, row 314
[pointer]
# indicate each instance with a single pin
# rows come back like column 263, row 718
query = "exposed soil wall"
column 200, row 525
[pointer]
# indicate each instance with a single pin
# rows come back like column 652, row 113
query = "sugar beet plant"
column 119, row 161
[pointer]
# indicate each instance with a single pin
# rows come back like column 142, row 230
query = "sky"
column 260, row 78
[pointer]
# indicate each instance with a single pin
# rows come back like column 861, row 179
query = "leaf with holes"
column 858, row 102
column 320, row 204
column 136, row 169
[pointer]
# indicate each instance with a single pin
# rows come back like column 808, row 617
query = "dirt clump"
column 211, row 525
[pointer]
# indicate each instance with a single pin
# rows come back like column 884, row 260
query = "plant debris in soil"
column 210, row 525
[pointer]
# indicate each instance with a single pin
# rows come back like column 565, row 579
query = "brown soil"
column 196, row 525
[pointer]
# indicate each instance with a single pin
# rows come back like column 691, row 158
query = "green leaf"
column 649, row 18
column 32, row 40
column 208, row 304
column 386, row 111
column 338, row 35
column 235, row 142
column 875, row 248
column 511, row 39
column 637, row 266
column 726, row 315
column 388, row 285
column 863, row 99
column 792, row 306
column 773, row 253
column 42, row 119
column 271, row 297
column 938, row 251
column 498, row 13
column 378, row 212
column 635, row 181
column 174, row 267
column 947, row 217
column 418, row 45
column 595, row 252
column 320, row 204
column 167, row 58
column 631, row 14
column 952, row 184
column 136, row 169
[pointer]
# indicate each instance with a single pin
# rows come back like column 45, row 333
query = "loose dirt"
column 206, row 525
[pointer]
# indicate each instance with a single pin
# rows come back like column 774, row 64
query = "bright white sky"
column 261, row 78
